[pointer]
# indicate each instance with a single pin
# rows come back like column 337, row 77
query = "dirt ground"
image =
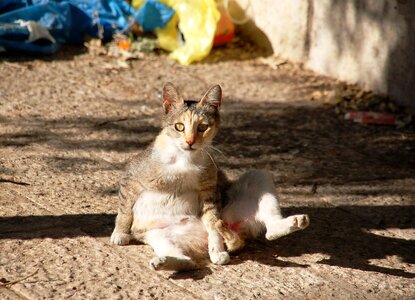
column 69, row 123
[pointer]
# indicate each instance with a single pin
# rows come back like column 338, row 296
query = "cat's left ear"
column 212, row 97
column 171, row 97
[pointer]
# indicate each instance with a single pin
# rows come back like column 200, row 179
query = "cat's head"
column 191, row 124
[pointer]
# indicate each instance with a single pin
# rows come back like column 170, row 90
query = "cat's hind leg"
column 178, row 247
column 254, row 207
column 168, row 255
column 279, row 228
column 269, row 214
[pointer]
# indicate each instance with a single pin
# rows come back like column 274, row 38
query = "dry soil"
column 69, row 123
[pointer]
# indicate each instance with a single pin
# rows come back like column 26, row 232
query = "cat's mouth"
column 189, row 148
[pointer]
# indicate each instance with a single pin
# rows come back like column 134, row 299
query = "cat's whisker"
column 217, row 150
column 211, row 158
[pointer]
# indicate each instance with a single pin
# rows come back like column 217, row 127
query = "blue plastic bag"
column 153, row 14
column 67, row 21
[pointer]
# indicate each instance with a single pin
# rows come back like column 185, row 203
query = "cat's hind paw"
column 157, row 263
column 301, row 221
column 219, row 258
column 172, row 263
column 119, row 238
column 286, row 226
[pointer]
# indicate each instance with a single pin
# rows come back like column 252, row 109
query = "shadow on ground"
column 67, row 53
column 298, row 144
column 335, row 232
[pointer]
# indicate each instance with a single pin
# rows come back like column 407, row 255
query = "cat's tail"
column 232, row 239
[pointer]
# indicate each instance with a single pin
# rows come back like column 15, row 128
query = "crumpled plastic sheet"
column 153, row 14
column 59, row 22
column 197, row 21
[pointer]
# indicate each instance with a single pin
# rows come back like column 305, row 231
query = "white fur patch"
column 174, row 159
column 165, row 208
column 177, row 163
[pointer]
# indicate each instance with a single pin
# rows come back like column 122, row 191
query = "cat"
column 174, row 198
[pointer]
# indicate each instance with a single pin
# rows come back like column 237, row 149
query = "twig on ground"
column 112, row 121
column 5, row 283
column 13, row 181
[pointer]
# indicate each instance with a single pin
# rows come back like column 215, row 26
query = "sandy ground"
column 69, row 123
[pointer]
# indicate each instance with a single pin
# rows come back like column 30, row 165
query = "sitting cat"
column 171, row 195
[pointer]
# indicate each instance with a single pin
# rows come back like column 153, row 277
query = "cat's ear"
column 171, row 97
column 212, row 97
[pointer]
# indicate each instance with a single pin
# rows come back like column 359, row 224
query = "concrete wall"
column 370, row 42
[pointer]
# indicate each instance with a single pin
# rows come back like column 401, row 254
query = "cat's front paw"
column 119, row 238
column 219, row 258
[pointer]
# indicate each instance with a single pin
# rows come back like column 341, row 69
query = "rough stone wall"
column 369, row 42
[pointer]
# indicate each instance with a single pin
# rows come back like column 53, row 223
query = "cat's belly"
column 154, row 209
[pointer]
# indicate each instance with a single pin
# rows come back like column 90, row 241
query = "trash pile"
column 366, row 107
column 187, row 29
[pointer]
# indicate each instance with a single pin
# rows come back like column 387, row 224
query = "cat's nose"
column 190, row 141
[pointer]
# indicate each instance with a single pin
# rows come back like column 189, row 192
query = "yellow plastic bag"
column 168, row 36
column 197, row 21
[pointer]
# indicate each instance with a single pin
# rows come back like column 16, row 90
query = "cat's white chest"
column 179, row 198
column 159, row 207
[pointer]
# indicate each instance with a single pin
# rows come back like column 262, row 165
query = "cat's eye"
column 179, row 127
column 202, row 127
